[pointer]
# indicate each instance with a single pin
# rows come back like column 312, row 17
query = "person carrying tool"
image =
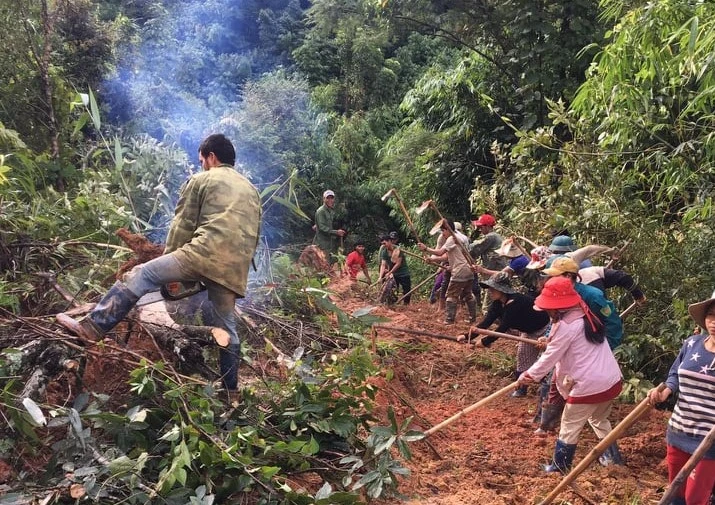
column 692, row 376
column 562, row 266
column 355, row 262
column 461, row 275
column 393, row 264
column 325, row 236
column 515, row 311
column 586, row 373
column 212, row 239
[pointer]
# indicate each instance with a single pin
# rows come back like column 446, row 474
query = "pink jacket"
column 581, row 368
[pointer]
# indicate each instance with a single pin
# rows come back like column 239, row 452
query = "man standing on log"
column 212, row 239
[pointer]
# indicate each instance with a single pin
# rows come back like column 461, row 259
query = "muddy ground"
column 491, row 455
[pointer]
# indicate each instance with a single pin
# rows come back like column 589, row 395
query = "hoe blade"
column 423, row 207
column 387, row 195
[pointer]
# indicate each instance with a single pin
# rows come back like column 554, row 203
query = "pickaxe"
column 393, row 192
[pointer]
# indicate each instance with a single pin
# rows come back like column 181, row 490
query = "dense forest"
column 596, row 117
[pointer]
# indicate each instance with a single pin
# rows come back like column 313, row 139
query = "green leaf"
column 269, row 471
column 94, row 111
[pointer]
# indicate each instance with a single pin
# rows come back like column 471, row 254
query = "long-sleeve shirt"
column 517, row 313
column 486, row 250
column 325, row 235
column 604, row 278
column 692, row 375
column 216, row 226
column 590, row 368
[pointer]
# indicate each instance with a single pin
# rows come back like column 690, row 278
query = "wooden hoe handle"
column 467, row 410
column 600, row 448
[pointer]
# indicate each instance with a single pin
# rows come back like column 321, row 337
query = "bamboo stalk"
column 600, row 448
column 467, row 410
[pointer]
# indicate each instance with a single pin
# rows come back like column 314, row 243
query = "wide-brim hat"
column 500, row 282
column 562, row 244
column 560, row 266
column 558, row 293
column 698, row 310
column 539, row 257
column 509, row 250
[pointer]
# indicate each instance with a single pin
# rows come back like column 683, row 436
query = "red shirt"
column 355, row 263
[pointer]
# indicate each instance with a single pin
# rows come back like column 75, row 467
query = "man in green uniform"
column 325, row 235
column 212, row 239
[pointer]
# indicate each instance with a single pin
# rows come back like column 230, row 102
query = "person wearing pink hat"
column 692, row 376
column 585, row 370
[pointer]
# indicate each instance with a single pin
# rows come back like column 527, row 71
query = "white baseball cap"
column 327, row 193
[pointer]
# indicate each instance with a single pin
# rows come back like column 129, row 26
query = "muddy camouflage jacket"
column 216, row 226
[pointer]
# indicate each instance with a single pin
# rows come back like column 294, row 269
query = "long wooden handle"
column 467, row 410
column 418, row 286
column 407, row 215
column 501, row 335
column 688, row 467
column 409, row 253
column 414, row 332
column 628, row 309
column 600, row 448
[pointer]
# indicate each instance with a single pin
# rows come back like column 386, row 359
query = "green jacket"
column 216, row 226
column 325, row 235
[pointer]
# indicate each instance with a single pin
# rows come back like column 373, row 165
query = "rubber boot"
column 472, row 308
column 611, row 456
column 110, row 310
column 450, row 312
column 228, row 361
column 520, row 391
column 550, row 417
column 563, row 457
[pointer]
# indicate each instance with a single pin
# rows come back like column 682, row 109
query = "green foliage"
column 173, row 441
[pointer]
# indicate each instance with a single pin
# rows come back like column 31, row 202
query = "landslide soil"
column 491, row 455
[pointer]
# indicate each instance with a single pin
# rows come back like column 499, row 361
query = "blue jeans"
column 153, row 274
column 150, row 276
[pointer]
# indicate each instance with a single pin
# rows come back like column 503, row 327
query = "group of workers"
column 562, row 309
column 561, row 306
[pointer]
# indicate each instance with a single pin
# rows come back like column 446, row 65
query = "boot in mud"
column 563, row 457
column 450, row 312
column 472, row 308
column 550, row 418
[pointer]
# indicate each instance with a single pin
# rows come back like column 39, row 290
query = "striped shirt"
column 693, row 377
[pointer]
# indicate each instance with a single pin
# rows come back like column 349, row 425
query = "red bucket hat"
column 558, row 293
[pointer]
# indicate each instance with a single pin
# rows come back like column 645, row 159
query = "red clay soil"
column 491, row 456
